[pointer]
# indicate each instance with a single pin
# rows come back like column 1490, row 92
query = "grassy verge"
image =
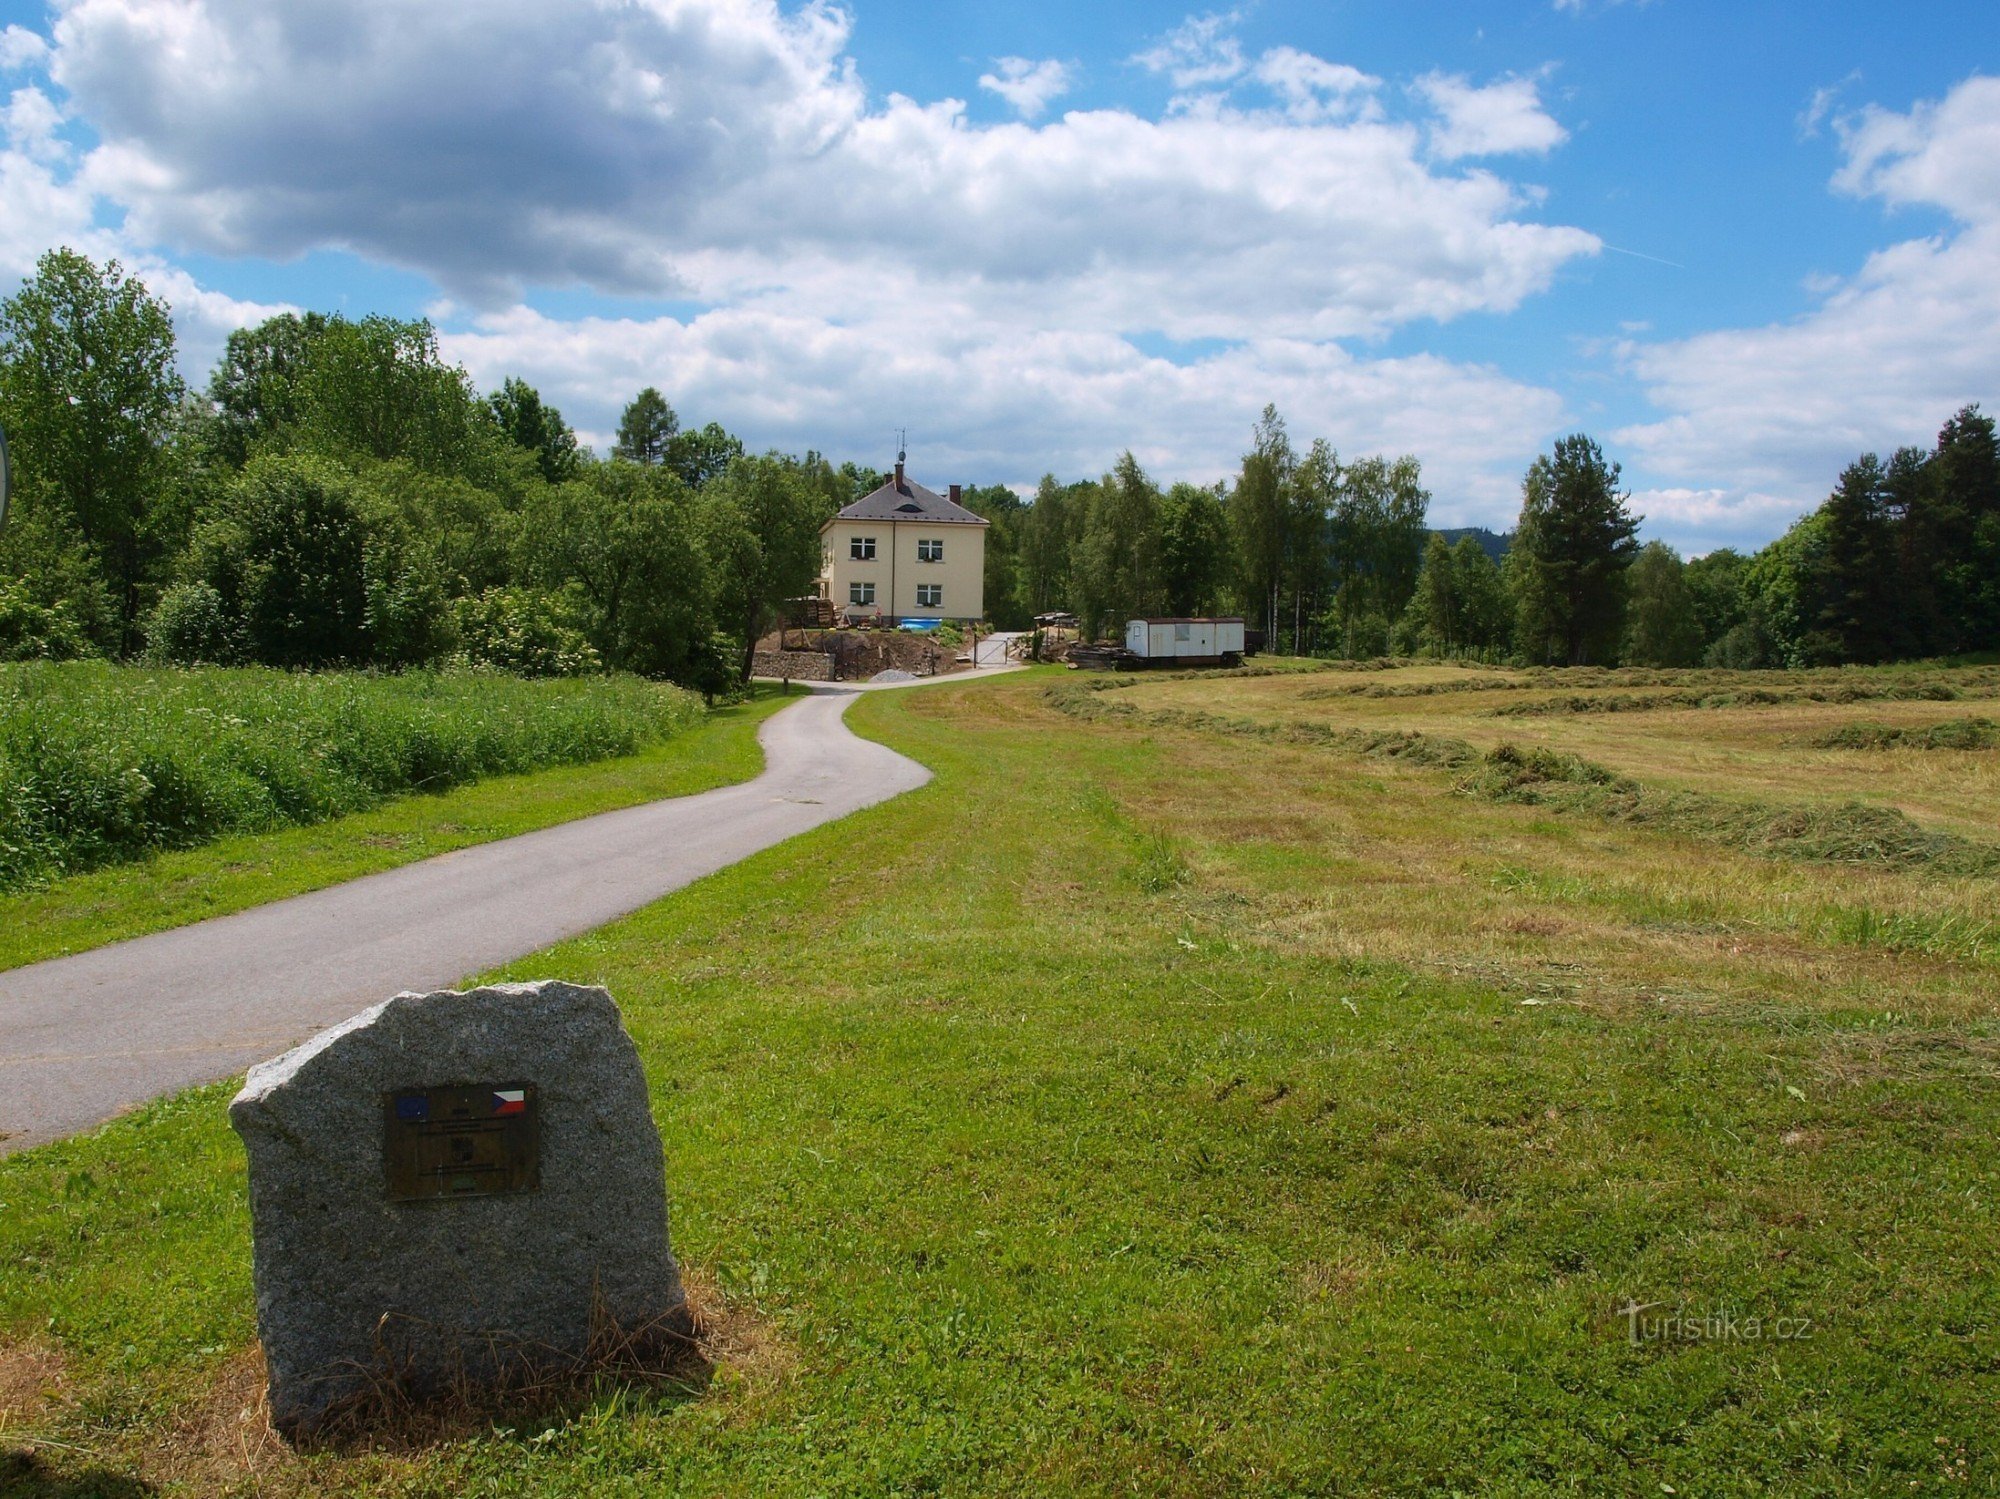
column 1137, row 1110
column 100, row 763
column 172, row 889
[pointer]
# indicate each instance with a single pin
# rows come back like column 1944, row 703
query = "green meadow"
column 1206, row 1087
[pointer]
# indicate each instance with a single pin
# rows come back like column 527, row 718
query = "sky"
column 1737, row 243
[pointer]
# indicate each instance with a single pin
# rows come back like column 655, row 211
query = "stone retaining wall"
column 800, row 666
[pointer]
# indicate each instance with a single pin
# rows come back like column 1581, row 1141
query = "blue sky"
column 1736, row 248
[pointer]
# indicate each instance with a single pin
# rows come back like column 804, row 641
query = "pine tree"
column 1571, row 548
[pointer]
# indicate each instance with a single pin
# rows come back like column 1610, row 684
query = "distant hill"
column 1494, row 543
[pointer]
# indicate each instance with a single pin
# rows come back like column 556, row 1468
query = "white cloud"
column 1313, row 89
column 1499, row 119
column 30, row 122
column 1944, row 154
column 723, row 149
column 865, row 261
column 1888, row 354
column 21, row 48
column 1200, row 52
column 1027, row 85
column 994, row 404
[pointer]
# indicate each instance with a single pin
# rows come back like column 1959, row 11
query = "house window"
column 930, row 595
column 931, row 551
column 861, row 593
column 861, row 548
column 1183, row 632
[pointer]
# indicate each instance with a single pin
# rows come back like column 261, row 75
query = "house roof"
column 908, row 501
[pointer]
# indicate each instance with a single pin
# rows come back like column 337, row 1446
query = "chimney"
column 899, row 473
column 955, row 493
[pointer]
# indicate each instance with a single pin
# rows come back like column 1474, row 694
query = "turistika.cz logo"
column 1648, row 1324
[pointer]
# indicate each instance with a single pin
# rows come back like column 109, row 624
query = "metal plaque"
column 468, row 1140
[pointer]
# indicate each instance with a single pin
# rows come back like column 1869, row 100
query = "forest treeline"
column 1336, row 558
column 338, row 494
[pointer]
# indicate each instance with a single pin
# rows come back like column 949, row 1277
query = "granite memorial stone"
column 453, row 1191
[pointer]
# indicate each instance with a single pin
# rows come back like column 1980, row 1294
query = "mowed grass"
column 171, row 889
column 1737, row 745
column 1144, row 1110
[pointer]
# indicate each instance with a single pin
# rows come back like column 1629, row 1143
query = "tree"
column 531, row 424
column 255, row 388
column 701, row 455
column 1660, row 626
column 1860, row 617
column 625, row 537
column 1567, row 564
column 1717, row 584
column 88, row 395
column 1378, row 539
column 1049, row 531
column 759, row 524
column 286, row 559
column 1257, row 518
column 1002, row 511
column 1194, row 549
column 1116, row 570
column 1437, row 607
column 646, row 428
column 379, row 389
column 1485, row 613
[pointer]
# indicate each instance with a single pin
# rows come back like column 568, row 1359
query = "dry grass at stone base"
column 217, row 1437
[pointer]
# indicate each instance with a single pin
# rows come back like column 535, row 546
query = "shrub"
column 528, row 632
column 30, row 631
column 101, row 763
column 191, row 627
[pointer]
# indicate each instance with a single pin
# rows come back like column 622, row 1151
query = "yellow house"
column 905, row 552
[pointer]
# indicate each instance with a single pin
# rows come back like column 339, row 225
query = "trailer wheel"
column 1232, row 659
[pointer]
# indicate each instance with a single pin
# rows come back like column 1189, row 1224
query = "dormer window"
column 911, row 507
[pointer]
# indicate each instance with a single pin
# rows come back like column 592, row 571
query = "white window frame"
column 1183, row 632
column 930, row 549
column 860, row 549
column 860, row 595
column 936, row 592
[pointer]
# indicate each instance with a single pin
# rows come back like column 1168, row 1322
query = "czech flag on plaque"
column 510, row 1101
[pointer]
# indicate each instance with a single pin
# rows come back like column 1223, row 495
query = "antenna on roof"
column 902, row 444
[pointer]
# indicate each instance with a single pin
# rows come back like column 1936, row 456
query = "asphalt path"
column 84, row 1038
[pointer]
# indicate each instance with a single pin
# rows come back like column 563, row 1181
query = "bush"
column 528, row 632
column 191, row 627
column 286, row 558
column 101, row 763
column 30, row 631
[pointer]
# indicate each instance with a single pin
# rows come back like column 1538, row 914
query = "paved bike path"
column 84, row 1038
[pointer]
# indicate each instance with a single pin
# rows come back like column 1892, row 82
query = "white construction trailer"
column 1186, row 642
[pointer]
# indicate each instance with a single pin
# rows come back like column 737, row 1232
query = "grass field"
column 1177, row 1105
column 100, row 764
column 171, row 889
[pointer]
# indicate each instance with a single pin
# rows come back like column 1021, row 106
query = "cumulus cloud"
column 1498, row 119
column 1200, row 52
column 863, row 259
column 1000, row 405
column 1314, row 89
column 1889, row 352
column 719, row 149
column 1027, row 85
column 21, row 48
